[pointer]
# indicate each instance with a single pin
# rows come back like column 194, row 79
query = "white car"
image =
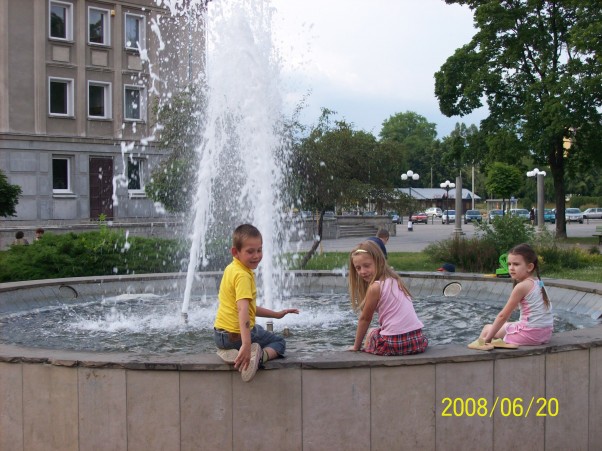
column 592, row 213
column 573, row 215
column 448, row 216
column 434, row 211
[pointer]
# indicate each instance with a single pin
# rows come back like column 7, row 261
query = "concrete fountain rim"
column 566, row 341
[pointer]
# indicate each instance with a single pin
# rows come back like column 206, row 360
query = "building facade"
column 78, row 81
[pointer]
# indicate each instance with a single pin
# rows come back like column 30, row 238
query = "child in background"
column 239, row 339
column 375, row 287
column 536, row 320
column 381, row 238
column 20, row 239
column 39, row 233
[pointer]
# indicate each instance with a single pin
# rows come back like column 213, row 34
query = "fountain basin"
column 61, row 400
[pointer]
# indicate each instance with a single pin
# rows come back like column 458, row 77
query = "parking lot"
column 424, row 234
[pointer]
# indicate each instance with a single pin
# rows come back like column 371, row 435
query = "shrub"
column 553, row 258
column 506, row 232
column 90, row 254
column 468, row 254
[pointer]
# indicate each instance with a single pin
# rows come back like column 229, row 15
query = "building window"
column 135, row 176
column 61, row 179
column 98, row 26
column 61, row 20
column 60, row 96
column 133, row 103
column 134, row 32
column 99, row 100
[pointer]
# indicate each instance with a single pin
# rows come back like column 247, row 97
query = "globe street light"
column 410, row 175
column 447, row 185
column 540, row 194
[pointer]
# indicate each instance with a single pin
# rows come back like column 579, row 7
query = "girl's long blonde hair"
column 358, row 286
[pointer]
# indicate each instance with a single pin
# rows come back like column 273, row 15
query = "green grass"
column 579, row 241
column 401, row 261
column 591, row 273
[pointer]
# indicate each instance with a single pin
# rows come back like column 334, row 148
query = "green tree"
column 417, row 137
column 179, row 133
column 503, row 180
column 337, row 166
column 9, row 197
column 535, row 64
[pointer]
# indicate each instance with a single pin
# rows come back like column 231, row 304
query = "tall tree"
column 416, row 135
column 336, row 165
column 503, row 180
column 180, row 122
column 539, row 70
column 9, row 197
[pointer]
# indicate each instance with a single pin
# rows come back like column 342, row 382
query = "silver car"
column 592, row 213
column 573, row 215
column 448, row 216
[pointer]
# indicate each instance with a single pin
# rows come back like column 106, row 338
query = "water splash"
column 243, row 156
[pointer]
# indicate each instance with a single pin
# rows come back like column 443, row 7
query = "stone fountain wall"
column 543, row 397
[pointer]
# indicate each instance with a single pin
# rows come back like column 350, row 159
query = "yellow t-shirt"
column 238, row 282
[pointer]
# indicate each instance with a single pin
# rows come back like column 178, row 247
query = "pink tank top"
column 395, row 310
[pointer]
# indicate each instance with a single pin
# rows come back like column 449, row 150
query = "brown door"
column 101, row 187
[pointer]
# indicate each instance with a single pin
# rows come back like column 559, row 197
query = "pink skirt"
column 519, row 334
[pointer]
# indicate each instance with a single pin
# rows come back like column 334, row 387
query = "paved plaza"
column 424, row 234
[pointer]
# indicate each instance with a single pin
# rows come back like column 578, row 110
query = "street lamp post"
column 447, row 185
column 540, row 195
column 410, row 175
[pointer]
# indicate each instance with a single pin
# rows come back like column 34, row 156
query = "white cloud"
column 370, row 60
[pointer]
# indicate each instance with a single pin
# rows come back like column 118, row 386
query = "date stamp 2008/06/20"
column 507, row 407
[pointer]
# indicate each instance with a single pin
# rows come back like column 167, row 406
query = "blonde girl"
column 536, row 321
column 375, row 287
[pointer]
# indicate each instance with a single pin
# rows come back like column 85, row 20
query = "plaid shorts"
column 404, row 344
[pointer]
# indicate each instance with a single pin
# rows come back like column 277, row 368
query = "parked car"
column 592, row 213
column 448, row 216
column 395, row 218
column 573, row 215
column 369, row 213
column 549, row 216
column 306, row 214
column 494, row 214
column 434, row 211
column 473, row 216
column 420, row 217
column 521, row 213
column 329, row 215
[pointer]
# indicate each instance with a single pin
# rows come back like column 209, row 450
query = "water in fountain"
column 243, row 155
column 148, row 324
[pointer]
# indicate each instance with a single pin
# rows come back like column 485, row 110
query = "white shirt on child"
column 533, row 311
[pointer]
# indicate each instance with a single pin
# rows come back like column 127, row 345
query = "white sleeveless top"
column 533, row 310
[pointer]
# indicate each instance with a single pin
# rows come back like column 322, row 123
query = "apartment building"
column 78, row 80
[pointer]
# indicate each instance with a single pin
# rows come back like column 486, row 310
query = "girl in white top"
column 375, row 287
column 536, row 319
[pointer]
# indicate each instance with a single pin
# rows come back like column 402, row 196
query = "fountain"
column 243, row 155
column 57, row 399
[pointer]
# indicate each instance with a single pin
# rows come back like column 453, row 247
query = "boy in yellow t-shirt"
column 239, row 339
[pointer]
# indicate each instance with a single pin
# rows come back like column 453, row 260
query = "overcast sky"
column 370, row 59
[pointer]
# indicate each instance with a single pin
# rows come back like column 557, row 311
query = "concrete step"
column 356, row 230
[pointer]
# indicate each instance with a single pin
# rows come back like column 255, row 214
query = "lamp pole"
column 409, row 176
column 540, row 195
column 447, row 185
